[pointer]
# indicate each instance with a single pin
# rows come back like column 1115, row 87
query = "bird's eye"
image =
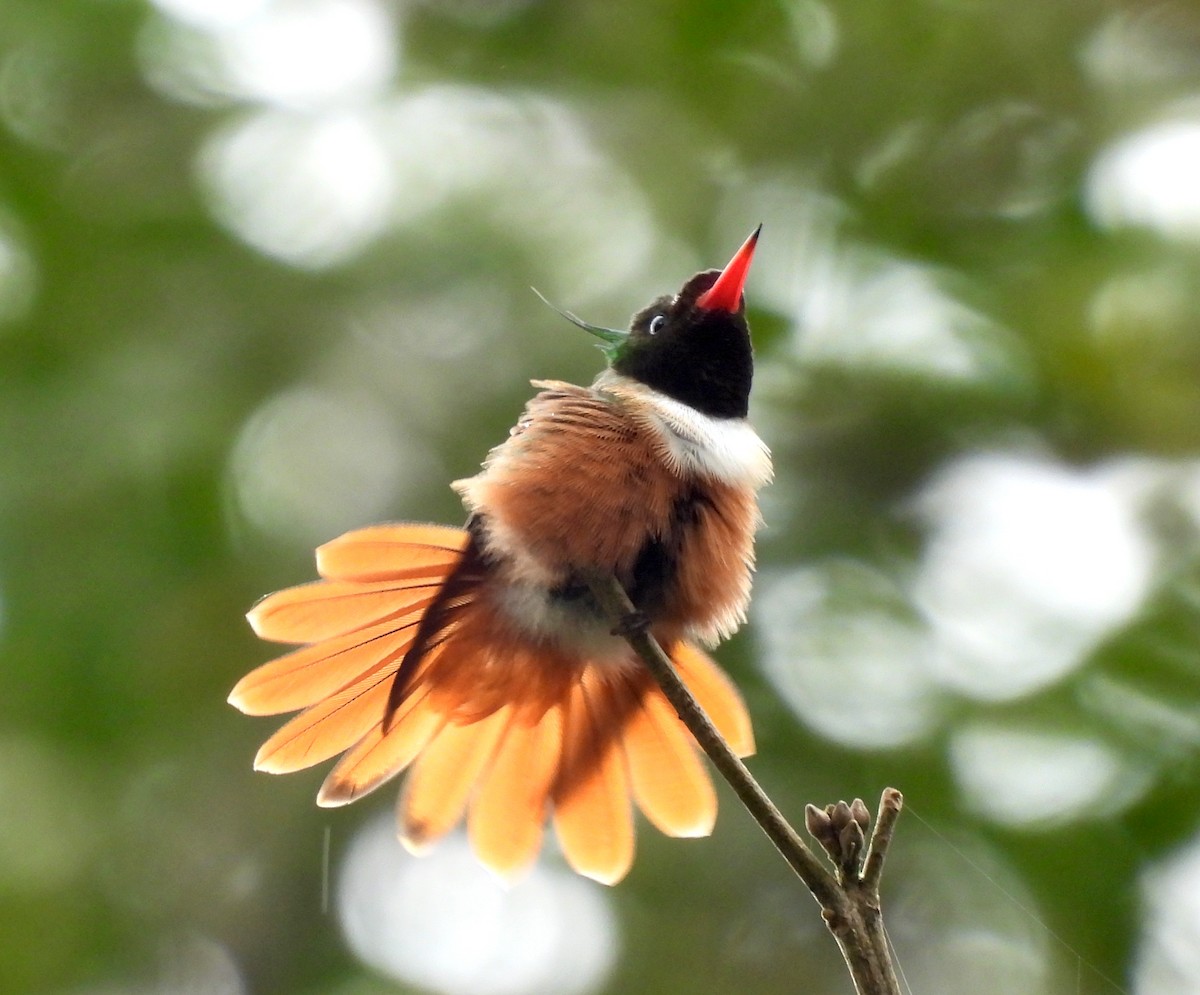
column 656, row 323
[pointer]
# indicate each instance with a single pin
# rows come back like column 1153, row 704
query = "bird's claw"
column 634, row 623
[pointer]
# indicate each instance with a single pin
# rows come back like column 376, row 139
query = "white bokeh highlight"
column 1029, row 565
column 1147, row 179
column 1033, row 778
column 846, row 654
column 1142, row 45
column 306, row 53
column 957, row 908
column 528, row 167
column 1168, row 956
column 444, row 923
column 312, row 463
column 309, row 191
column 864, row 308
column 210, row 14
column 302, row 55
column 18, row 271
column 1163, row 726
column 332, row 153
column 857, row 306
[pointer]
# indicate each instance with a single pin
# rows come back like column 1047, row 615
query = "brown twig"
column 849, row 899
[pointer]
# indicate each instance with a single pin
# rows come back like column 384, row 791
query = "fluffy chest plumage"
column 619, row 479
column 721, row 450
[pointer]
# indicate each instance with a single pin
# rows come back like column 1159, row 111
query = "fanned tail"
column 363, row 622
column 410, row 663
column 623, row 739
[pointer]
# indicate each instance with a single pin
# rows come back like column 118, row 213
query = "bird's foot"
column 634, row 623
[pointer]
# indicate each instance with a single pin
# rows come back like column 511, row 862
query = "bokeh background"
column 264, row 271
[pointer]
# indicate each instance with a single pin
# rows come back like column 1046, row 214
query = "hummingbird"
column 477, row 659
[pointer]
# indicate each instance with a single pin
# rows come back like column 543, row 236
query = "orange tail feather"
column 392, row 552
column 669, row 781
column 716, row 694
column 508, row 812
column 311, row 613
column 592, row 815
column 326, row 729
column 308, row 676
column 435, row 794
column 382, row 754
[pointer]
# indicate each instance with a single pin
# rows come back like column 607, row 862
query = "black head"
column 694, row 346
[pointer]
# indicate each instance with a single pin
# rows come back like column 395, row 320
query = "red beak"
column 726, row 293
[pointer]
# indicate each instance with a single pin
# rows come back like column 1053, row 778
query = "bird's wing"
column 579, row 483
